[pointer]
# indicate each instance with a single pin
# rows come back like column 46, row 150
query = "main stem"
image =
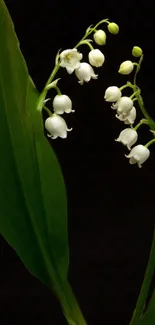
column 69, row 304
column 45, row 90
column 138, row 312
column 145, row 113
column 140, row 99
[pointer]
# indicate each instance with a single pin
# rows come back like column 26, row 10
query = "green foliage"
column 33, row 209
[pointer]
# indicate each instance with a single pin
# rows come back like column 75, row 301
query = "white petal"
column 81, row 82
column 114, row 105
column 69, row 70
column 94, row 76
column 54, row 136
column 63, row 134
column 62, row 64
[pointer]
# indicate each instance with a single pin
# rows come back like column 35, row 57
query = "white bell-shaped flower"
column 61, row 104
column 138, row 155
column 128, row 137
column 96, row 58
column 85, row 72
column 112, row 94
column 124, row 105
column 56, row 126
column 126, row 67
column 128, row 118
column 70, row 59
column 100, row 37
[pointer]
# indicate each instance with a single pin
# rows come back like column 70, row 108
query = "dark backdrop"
column 111, row 204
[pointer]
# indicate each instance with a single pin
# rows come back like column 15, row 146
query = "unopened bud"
column 113, row 28
column 137, row 51
column 100, row 37
column 126, row 67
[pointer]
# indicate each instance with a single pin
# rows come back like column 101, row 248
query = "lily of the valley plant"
column 125, row 109
column 32, row 196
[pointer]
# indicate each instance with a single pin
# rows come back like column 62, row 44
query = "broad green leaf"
column 33, row 209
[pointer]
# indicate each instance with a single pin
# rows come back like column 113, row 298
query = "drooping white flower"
column 138, row 155
column 61, row 104
column 70, row 59
column 112, row 94
column 128, row 118
column 126, row 67
column 96, row 58
column 100, row 37
column 123, row 106
column 85, row 72
column 56, row 126
column 128, row 137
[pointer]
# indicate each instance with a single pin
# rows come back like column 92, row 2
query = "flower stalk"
column 139, row 97
column 43, row 94
column 143, row 121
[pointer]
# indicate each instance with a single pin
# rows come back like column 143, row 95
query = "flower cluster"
column 126, row 111
column 71, row 60
column 122, row 105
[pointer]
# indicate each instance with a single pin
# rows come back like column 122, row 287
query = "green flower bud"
column 113, row 28
column 137, row 51
column 100, row 37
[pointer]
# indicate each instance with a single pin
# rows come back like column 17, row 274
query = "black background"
column 111, row 203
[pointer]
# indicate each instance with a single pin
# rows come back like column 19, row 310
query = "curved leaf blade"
column 33, row 208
